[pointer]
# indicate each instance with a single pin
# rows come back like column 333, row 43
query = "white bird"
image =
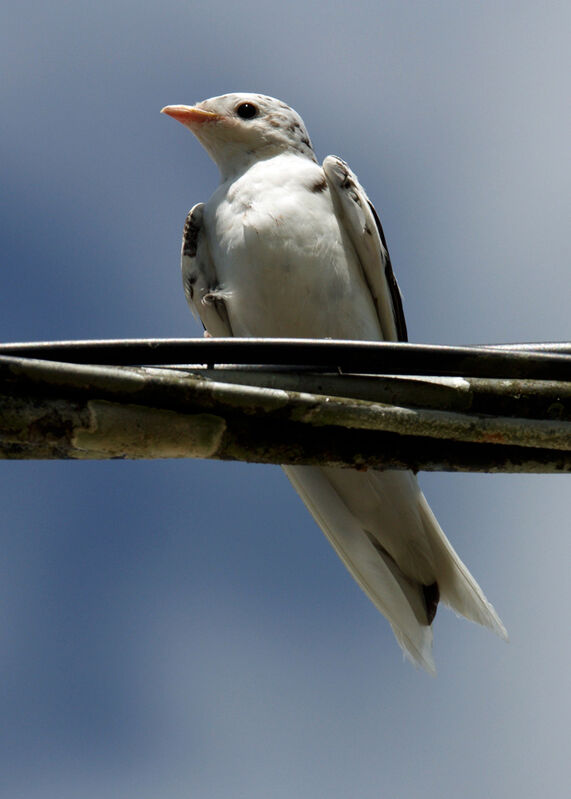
column 288, row 248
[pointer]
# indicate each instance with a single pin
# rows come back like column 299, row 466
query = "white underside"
column 283, row 261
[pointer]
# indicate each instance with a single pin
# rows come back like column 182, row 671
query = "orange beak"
column 189, row 115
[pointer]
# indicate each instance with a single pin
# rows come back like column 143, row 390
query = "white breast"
column 286, row 266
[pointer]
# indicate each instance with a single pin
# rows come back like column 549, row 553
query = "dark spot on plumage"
column 320, row 185
column 189, row 286
column 306, row 141
column 190, row 236
column 431, row 595
column 349, row 184
column 367, row 230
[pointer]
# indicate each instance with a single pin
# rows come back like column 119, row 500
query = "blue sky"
column 183, row 628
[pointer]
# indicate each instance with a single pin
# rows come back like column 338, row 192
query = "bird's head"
column 238, row 129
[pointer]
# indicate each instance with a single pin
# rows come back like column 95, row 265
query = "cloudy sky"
column 183, row 629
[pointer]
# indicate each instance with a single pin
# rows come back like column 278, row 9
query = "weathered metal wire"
column 550, row 361
column 497, row 416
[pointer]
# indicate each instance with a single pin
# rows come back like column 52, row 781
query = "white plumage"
column 288, row 248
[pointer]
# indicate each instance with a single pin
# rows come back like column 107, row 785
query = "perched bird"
column 288, row 248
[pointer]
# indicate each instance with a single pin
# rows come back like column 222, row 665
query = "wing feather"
column 199, row 278
column 363, row 227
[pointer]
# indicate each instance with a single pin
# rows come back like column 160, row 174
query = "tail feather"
column 395, row 596
column 384, row 531
column 458, row 589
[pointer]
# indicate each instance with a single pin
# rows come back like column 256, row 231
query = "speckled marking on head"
column 282, row 119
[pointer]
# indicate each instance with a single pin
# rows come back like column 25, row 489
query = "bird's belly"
column 291, row 274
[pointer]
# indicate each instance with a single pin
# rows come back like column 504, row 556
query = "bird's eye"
column 246, row 111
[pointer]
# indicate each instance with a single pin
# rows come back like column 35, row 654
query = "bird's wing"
column 360, row 221
column 201, row 286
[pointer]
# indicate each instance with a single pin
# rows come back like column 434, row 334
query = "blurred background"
column 183, row 629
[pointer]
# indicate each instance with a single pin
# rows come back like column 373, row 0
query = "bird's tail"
column 382, row 528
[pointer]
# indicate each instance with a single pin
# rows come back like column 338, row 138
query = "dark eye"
column 246, row 110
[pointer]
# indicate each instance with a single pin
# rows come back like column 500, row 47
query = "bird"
column 288, row 247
